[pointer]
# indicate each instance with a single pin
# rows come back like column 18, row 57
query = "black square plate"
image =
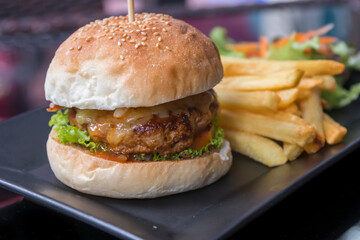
column 213, row 212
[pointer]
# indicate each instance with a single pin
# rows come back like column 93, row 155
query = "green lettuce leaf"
column 343, row 50
column 295, row 51
column 341, row 97
column 216, row 142
column 67, row 133
column 347, row 55
column 354, row 62
column 218, row 36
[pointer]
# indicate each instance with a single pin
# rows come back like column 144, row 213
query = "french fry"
column 292, row 151
column 309, row 83
column 280, row 126
column 238, row 67
column 324, row 104
column 292, row 109
column 248, row 100
column 264, row 102
column 311, row 111
column 256, row 147
column 328, row 84
column 334, row 132
column 274, row 81
column 304, row 94
column 287, row 97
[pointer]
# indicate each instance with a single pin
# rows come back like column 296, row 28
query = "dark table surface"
column 324, row 208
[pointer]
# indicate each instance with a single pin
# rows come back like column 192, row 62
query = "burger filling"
column 180, row 129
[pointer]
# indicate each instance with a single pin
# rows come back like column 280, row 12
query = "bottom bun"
column 77, row 168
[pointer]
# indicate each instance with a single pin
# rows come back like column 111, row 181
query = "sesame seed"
column 167, row 48
column 156, row 33
column 160, row 39
column 119, row 43
column 142, row 43
column 111, row 37
column 144, row 39
column 137, row 30
column 144, row 33
column 164, row 30
column 132, row 41
column 72, row 48
column 157, row 45
column 137, row 45
column 79, row 47
column 123, row 39
column 121, row 57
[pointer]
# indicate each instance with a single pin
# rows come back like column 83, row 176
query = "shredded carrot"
column 327, row 40
column 303, row 37
column 325, row 50
column 260, row 49
column 307, row 51
column 245, row 47
column 249, row 49
column 281, row 42
column 321, row 31
column 264, row 46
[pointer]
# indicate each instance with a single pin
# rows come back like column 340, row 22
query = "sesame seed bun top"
column 112, row 63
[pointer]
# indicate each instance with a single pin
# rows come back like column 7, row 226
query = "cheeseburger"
column 136, row 116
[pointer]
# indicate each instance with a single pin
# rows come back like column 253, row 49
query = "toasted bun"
column 80, row 170
column 110, row 63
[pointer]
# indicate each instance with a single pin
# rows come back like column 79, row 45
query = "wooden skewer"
column 131, row 14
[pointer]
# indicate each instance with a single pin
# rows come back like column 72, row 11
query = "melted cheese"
column 202, row 139
column 201, row 101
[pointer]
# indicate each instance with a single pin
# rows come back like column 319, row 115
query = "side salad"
column 310, row 45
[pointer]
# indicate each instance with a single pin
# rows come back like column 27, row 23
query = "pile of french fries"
column 272, row 111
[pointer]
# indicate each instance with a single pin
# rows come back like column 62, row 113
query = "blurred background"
column 32, row 30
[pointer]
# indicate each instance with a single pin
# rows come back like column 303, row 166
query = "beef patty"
column 165, row 129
